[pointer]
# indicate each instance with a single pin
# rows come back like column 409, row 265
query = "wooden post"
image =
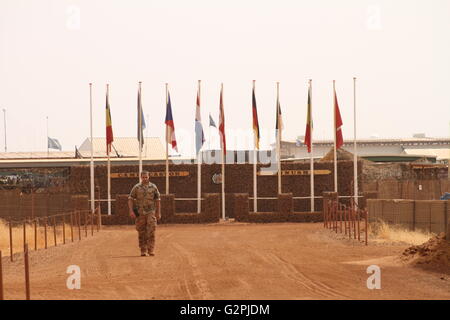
column 24, row 234
column 27, row 273
column 365, row 222
column 54, row 229
column 1, row 277
column 11, row 250
column 64, row 228
column 45, row 231
column 85, row 223
column 340, row 219
column 79, row 224
column 92, row 223
column 35, row 234
column 71, row 225
column 32, row 204
column 354, row 223
column 358, row 217
column 345, row 222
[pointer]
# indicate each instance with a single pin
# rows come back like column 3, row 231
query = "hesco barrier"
column 418, row 189
column 426, row 215
column 238, row 177
column 22, row 205
column 210, row 211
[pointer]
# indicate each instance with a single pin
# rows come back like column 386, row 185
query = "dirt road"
column 223, row 261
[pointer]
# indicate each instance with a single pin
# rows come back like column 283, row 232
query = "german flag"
column 255, row 118
column 109, row 131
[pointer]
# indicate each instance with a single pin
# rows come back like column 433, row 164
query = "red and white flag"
column 337, row 123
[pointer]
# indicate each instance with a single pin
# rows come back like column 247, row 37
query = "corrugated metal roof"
column 440, row 154
column 406, row 141
column 37, row 155
column 125, row 147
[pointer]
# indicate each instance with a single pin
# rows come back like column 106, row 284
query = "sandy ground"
column 223, row 261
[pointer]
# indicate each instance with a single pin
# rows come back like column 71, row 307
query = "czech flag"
column 170, row 126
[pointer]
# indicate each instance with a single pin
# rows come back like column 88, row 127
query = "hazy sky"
column 51, row 50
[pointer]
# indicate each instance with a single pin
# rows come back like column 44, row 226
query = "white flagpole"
column 278, row 139
column 109, row 167
column 312, row 150
column 223, row 161
column 355, row 158
column 334, row 129
column 140, row 130
column 255, row 180
column 167, row 144
column 199, row 163
column 92, row 155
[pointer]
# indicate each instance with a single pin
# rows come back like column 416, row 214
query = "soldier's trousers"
column 146, row 226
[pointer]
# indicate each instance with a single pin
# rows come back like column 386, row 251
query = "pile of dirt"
column 433, row 254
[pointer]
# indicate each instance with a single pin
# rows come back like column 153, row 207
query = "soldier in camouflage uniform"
column 144, row 206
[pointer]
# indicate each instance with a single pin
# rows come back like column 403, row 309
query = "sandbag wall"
column 425, row 215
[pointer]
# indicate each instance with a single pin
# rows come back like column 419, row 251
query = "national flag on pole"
column 109, row 130
column 337, row 123
column 199, row 136
column 170, row 126
column 53, row 144
column 255, row 120
column 309, row 123
column 140, row 120
column 223, row 143
column 279, row 124
column 211, row 122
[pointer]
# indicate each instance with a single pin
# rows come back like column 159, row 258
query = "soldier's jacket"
column 144, row 198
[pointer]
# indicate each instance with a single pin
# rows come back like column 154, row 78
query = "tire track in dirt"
column 290, row 271
column 200, row 283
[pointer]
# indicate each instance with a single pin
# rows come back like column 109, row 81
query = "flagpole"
column 255, row 180
column 278, row 139
column 109, row 166
column 334, row 126
column 199, row 164
column 167, row 144
column 92, row 154
column 223, row 159
column 355, row 158
column 140, row 130
column 312, row 150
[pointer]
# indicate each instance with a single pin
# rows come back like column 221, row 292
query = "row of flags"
column 199, row 133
